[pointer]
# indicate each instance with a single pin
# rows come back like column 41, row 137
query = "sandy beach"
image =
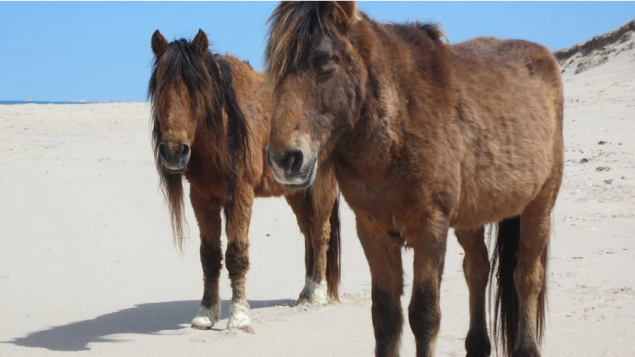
column 87, row 261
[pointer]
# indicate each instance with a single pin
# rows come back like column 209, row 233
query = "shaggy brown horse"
column 211, row 117
column 425, row 136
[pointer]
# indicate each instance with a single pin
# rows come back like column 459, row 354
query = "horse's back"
column 500, row 58
column 510, row 120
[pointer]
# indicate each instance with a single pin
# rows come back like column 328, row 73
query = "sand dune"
column 87, row 261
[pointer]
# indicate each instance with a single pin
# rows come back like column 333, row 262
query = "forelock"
column 293, row 27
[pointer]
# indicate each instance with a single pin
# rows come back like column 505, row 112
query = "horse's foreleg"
column 237, row 258
column 476, row 271
column 384, row 260
column 207, row 213
column 424, row 312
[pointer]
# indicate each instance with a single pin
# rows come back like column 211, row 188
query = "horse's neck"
column 367, row 149
column 380, row 132
column 205, row 159
column 203, row 170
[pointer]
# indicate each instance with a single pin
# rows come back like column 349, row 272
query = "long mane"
column 209, row 84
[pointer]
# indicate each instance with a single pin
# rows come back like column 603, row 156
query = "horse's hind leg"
column 313, row 221
column 207, row 213
column 476, row 271
column 384, row 258
column 300, row 204
column 313, row 209
column 237, row 257
column 530, row 273
column 309, row 265
column 323, row 196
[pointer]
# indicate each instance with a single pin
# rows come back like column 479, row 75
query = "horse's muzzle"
column 293, row 169
column 174, row 160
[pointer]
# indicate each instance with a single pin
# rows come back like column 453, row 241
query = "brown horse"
column 211, row 117
column 425, row 136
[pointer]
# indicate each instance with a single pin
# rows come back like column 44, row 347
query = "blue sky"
column 101, row 51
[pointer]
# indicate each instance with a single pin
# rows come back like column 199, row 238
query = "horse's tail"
column 333, row 255
column 506, row 308
column 505, row 327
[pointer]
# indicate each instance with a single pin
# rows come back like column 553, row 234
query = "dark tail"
column 333, row 255
column 505, row 328
column 506, row 319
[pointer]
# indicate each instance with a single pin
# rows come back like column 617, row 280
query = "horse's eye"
column 327, row 71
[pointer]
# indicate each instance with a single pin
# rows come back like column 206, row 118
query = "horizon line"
column 76, row 101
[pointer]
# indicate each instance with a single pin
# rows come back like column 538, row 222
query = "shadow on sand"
column 142, row 319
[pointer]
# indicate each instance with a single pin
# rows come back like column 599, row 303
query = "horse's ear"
column 159, row 43
column 345, row 13
column 201, row 44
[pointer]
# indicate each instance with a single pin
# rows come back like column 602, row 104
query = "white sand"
column 87, row 261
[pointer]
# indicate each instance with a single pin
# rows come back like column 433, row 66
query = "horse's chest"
column 373, row 201
column 211, row 184
column 364, row 195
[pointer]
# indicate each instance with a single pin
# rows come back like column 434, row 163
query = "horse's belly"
column 491, row 198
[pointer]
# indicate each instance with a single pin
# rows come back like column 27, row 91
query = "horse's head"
column 182, row 91
column 318, row 78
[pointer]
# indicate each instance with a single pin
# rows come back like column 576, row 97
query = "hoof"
column 239, row 317
column 206, row 317
column 305, row 293
column 477, row 344
column 303, row 300
column 250, row 330
column 202, row 323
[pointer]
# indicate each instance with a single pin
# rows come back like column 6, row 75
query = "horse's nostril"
column 293, row 160
column 162, row 151
column 168, row 153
